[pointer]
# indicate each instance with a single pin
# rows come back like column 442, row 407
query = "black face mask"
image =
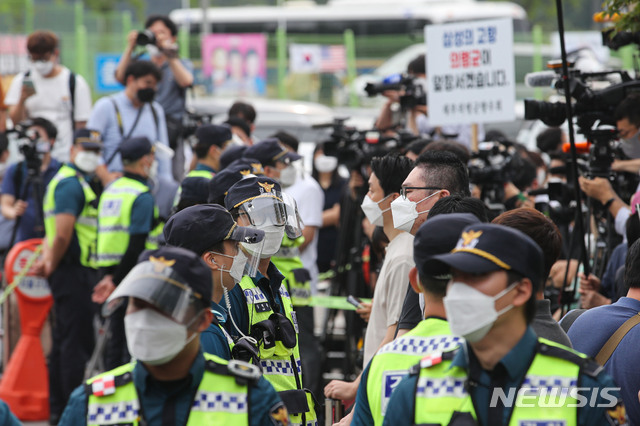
column 146, row 95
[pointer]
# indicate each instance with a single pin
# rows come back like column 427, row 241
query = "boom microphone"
column 540, row 79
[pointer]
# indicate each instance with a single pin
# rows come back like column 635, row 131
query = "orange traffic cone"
column 25, row 383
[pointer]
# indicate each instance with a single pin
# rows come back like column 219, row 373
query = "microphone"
column 540, row 78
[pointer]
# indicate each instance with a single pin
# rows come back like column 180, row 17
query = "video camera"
column 355, row 148
column 191, row 120
column 29, row 143
column 145, row 37
column 413, row 92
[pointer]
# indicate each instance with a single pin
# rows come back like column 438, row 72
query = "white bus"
column 364, row 17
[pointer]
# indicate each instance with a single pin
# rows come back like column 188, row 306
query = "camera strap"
column 135, row 123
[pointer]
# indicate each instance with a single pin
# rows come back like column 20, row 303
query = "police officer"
column 71, row 223
column 192, row 191
column 236, row 171
column 127, row 224
column 211, row 141
column 503, row 374
column 173, row 381
column 261, row 305
column 437, row 235
column 210, row 232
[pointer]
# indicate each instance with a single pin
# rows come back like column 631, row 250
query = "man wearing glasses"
column 436, row 174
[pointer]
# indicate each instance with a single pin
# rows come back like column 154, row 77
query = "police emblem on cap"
column 469, row 239
column 257, row 167
column 266, row 186
column 245, row 172
column 160, row 263
column 94, row 136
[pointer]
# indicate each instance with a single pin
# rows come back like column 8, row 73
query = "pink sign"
column 236, row 63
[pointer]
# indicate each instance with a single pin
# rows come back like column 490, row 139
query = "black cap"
column 194, row 272
column 250, row 187
column 230, row 154
column 487, row 247
column 239, row 122
column 197, row 228
column 438, row 235
column 212, row 134
column 269, row 151
column 195, row 189
column 89, row 139
column 248, row 163
column 133, row 149
column 219, row 185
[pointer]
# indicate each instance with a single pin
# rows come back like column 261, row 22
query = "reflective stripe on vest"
column 277, row 362
column 219, row 399
column 114, row 220
column 441, row 391
column 393, row 361
column 86, row 225
column 201, row 174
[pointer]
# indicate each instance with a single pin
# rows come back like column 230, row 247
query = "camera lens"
column 145, row 37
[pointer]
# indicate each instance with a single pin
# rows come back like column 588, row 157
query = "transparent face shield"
column 294, row 224
column 160, row 286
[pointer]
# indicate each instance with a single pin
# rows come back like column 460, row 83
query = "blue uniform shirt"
column 204, row 167
column 590, row 332
column 239, row 310
column 175, row 397
column 513, row 368
column 69, row 198
column 28, row 227
column 213, row 340
column 6, row 416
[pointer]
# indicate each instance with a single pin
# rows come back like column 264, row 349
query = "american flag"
column 333, row 58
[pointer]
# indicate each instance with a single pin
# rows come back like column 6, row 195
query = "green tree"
column 105, row 6
column 626, row 13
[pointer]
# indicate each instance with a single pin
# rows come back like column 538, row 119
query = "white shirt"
column 310, row 198
column 52, row 101
column 388, row 296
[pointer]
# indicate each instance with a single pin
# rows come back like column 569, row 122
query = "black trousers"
column 72, row 331
column 311, row 355
column 116, row 352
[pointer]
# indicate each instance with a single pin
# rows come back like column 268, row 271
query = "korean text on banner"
column 470, row 72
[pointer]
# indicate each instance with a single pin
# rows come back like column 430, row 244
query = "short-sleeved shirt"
column 174, row 399
column 239, row 310
column 52, row 101
column 213, row 340
column 389, row 292
column 170, row 95
column 69, row 198
column 510, row 371
column 104, row 119
column 29, row 226
column 591, row 330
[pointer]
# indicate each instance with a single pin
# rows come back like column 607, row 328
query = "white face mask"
column 3, row 168
column 373, row 211
column 152, row 171
column 288, row 175
column 87, row 161
column 405, row 212
column 325, row 164
column 154, row 338
column 43, row 68
column 273, row 236
column 471, row 313
column 237, row 267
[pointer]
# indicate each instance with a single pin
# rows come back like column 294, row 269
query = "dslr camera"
column 412, row 89
column 145, row 37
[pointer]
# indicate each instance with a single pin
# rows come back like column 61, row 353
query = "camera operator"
column 159, row 40
column 20, row 197
column 50, row 90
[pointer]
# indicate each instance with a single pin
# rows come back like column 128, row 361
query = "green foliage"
column 629, row 14
column 104, row 6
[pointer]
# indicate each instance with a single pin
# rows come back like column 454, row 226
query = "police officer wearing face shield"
column 71, row 226
column 167, row 297
column 260, row 305
column 504, row 374
column 210, row 232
